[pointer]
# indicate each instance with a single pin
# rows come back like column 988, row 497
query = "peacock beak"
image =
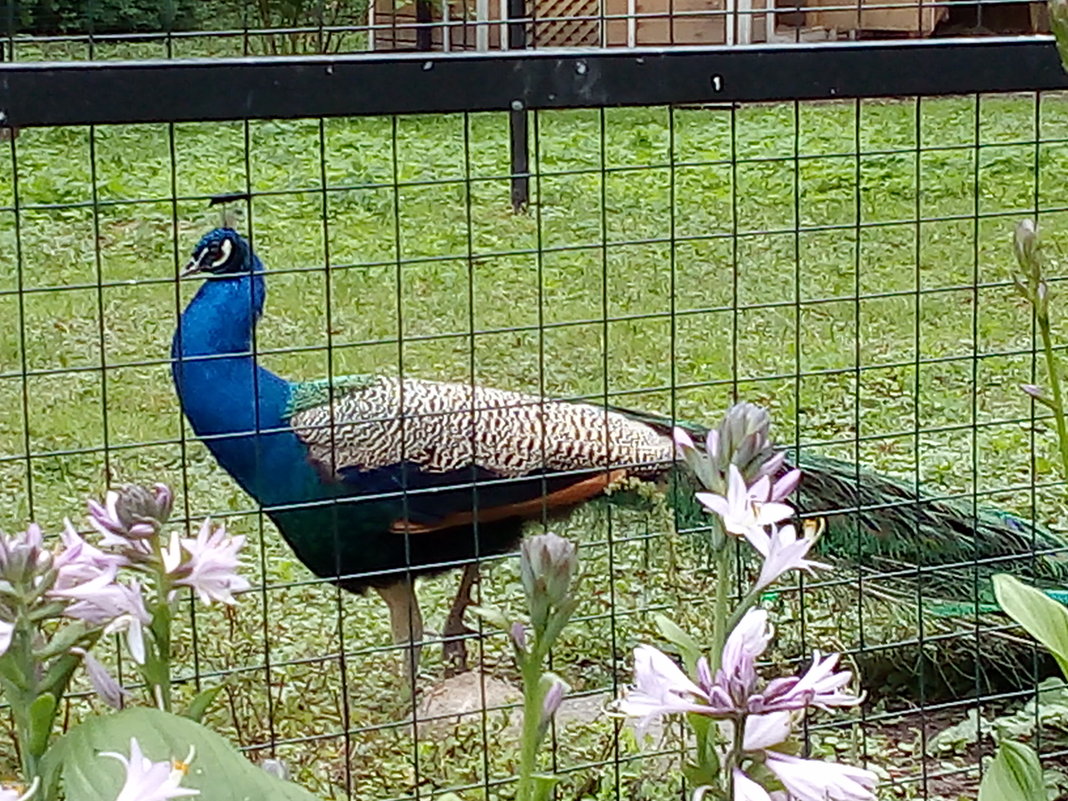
column 195, row 264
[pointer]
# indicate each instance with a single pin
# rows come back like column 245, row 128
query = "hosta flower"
column 131, row 515
column 106, row 687
column 745, row 509
column 736, row 680
column 206, row 563
column 23, row 557
column 768, row 731
column 79, row 562
column 151, row 781
column 554, row 696
column 782, row 552
column 745, row 789
column 820, row 687
column 815, row 780
column 103, row 601
column 105, row 519
column 660, row 688
column 547, row 566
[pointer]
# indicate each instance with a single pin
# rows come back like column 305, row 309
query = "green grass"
column 828, row 330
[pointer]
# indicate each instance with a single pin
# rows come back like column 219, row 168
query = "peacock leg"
column 406, row 623
column 455, row 632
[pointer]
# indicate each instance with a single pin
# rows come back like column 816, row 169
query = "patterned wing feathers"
column 444, row 426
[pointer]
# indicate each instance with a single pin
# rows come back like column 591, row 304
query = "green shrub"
column 96, row 16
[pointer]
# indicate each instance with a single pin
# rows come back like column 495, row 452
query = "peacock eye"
column 225, row 248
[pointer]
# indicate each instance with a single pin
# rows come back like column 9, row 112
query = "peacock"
column 373, row 480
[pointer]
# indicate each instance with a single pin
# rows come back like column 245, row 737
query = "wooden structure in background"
column 574, row 23
column 907, row 16
column 636, row 23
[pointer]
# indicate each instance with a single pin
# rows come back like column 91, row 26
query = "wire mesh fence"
column 846, row 263
column 35, row 29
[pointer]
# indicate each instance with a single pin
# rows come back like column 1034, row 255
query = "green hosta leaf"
column 218, row 770
column 201, row 701
column 1014, row 775
column 42, row 713
column 1042, row 617
column 543, row 786
column 689, row 650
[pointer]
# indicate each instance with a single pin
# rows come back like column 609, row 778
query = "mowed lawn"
column 847, row 265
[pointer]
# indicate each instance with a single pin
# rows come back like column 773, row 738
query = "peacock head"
column 220, row 252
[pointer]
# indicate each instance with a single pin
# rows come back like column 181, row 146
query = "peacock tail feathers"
column 377, row 421
column 884, row 524
column 887, row 527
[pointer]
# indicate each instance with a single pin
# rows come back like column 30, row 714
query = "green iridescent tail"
column 885, row 529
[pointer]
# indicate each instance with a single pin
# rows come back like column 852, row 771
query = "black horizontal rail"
column 79, row 93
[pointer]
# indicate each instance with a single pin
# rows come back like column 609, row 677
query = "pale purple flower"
column 151, row 781
column 103, row 601
column 683, row 439
column 814, row 780
column 519, row 636
column 786, row 484
column 782, row 552
column 106, row 687
column 6, row 630
column 745, row 509
column 1035, row 392
column 209, row 563
column 106, row 519
column 553, row 698
column 736, row 679
column 820, row 687
column 22, row 555
column 745, row 789
column 547, row 567
column 768, row 731
column 735, row 685
column 660, row 688
column 79, row 561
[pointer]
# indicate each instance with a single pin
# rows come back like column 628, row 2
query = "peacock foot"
column 454, row 651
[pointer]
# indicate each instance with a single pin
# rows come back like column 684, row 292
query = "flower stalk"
column 747, row 484
column 721, row 609
column 57, row 602
column 1031, row 284
column 548, row 568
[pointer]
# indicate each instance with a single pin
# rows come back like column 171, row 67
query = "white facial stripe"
column 227, row 248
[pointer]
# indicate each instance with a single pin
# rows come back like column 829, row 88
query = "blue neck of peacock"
column 230, row 401
column 214, row 368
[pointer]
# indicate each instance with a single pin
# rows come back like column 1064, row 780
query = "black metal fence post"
column 517, row 118
column 424, row 33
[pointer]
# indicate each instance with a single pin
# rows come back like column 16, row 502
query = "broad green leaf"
column 689, row 650
column 42, row 713
column 218, row 770
column 1014, row 775
column 1042, row 617
column 201, row 701
column 543, row 786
